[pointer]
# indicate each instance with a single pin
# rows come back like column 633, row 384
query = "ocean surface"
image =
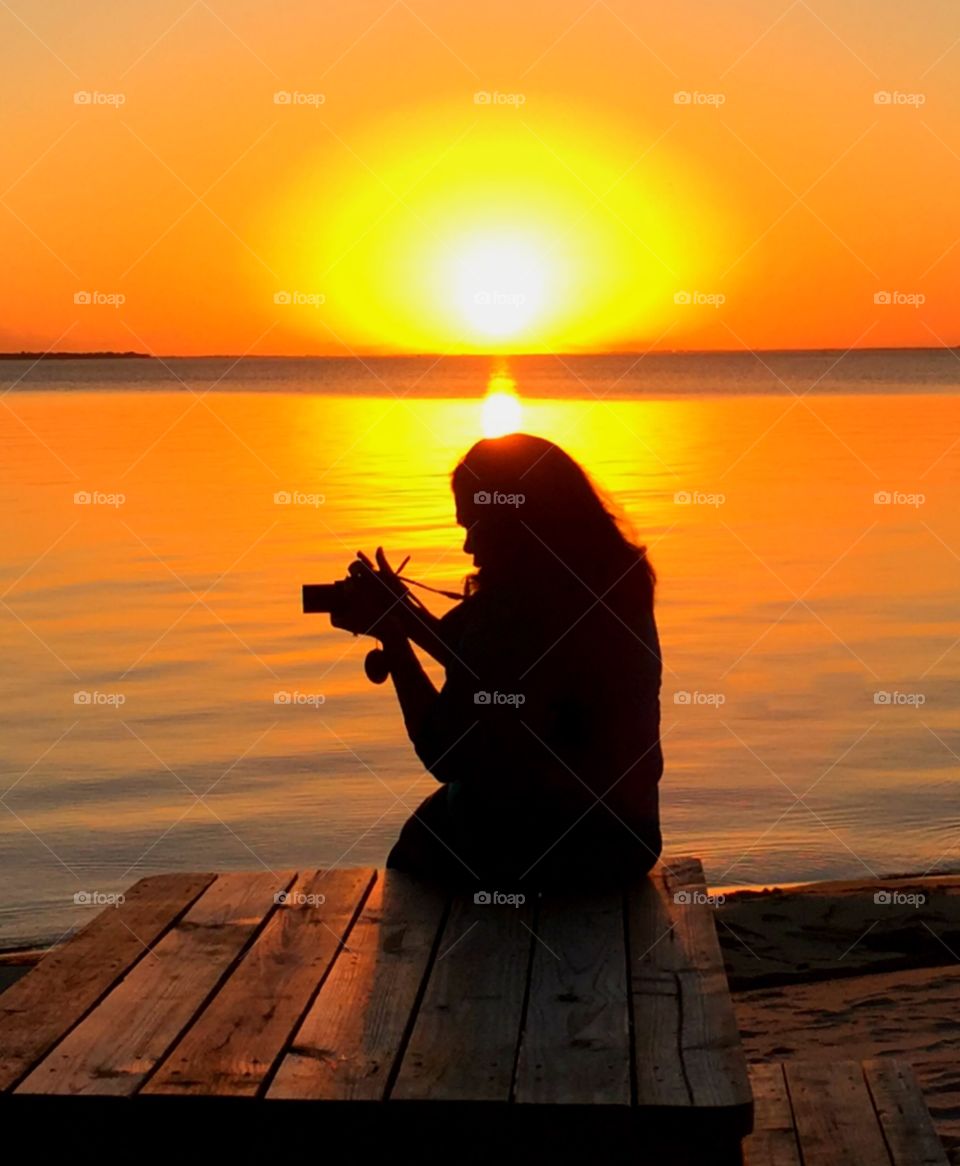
column 166, row 706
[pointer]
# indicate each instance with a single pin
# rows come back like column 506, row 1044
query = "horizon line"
column 113, row 354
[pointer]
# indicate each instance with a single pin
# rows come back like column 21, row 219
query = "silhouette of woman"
column 546, row 734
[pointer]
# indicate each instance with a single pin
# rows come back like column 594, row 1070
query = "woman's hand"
column 374, row 598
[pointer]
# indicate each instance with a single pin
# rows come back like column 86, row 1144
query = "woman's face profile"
column 473, row 537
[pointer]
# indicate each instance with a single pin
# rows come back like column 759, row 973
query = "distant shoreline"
column 79, row 356
column 626, row 353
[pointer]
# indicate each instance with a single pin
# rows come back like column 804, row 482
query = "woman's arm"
column 419, row 624
column 423, row 627
column 415, row 690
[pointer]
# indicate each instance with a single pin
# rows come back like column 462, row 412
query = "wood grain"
column 127, row 1034
column 575, row 1048
column 348, row 1042
column 464, row 1041
column 40, row 1008
column 233, row 1044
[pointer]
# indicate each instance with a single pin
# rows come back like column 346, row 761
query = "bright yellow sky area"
column 425, row 176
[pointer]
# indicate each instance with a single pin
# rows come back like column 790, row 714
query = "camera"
column 324, row 598
column 344, row 601
column 333, row 599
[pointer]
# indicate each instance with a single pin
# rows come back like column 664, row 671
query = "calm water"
column 788, row 599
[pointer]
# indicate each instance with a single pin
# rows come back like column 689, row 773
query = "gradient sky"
column 589, row 206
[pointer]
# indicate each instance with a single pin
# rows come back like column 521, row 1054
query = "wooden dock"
column 276, row 1013
column 369, row 1005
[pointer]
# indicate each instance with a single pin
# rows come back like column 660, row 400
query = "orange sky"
column 583, row 206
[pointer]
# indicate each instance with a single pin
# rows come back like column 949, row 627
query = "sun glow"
column 493, row 232
column 502, row 411
column 500, row 284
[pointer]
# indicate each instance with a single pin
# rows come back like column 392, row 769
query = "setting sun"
column 501, row 414
column 492, row 231
column 500, row 285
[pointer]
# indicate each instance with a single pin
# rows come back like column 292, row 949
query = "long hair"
column 545, row 527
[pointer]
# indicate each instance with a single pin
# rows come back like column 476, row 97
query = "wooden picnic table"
column 277, row 1010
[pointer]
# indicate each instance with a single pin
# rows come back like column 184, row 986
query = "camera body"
column 347, row 604
column 324, row 598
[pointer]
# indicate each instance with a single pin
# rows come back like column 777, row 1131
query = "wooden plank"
column 681, row 1000
column 774, row 1139
column 713, row 1056
column 655, row 998
column 464, row 1040
column 119, row 1043
column 231, row 1047
column 695, row 946
column 904, row 1118
column 834, row 1115
column 349, row 1040
column 576, row 1040
column 714, row 1062
column 40, row 1008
